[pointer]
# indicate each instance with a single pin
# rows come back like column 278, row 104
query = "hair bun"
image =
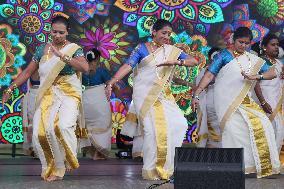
column 93, row 54
column 90, row 56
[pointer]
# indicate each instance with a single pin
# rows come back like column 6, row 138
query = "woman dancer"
column 162, row 121
column 97, row 108
column 270, row 92
column 57, row 102
column 242, row 122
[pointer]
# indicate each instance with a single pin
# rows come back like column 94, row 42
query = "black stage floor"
column 23, row 173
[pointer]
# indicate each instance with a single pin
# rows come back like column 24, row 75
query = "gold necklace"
column 156, row 44
column 154, row 57
column 241, row 67
column 273, row 61
column 236, row 53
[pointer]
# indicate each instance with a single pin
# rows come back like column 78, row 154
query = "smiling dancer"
column 242, row 122
column 153, row 64
column 57, row 102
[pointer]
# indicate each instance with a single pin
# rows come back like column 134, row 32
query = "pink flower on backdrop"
column 99, row 40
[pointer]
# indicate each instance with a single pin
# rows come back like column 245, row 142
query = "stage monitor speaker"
column 209, row 168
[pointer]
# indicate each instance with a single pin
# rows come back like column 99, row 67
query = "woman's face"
column 162, row 36
column 96, row 61
column 272, row 48
column 94, row 64
column 242, row 44
column 59, row 32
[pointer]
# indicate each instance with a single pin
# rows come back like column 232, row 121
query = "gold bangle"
column 14, row 85
column 61, row 57
column 8, row 91
column 116, row 80
column 66, row 59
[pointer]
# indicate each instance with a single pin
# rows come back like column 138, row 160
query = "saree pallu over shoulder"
column 230, row 75
column 147, row 85
column 50, row 69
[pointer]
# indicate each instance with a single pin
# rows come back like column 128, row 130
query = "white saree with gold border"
column 209, row 134
column 132, row 129
column 242, row 121
column 163, row 123
column 28, row 111
column 273, row 93
column 97, row 115
column 55, row 119
column 202, row 122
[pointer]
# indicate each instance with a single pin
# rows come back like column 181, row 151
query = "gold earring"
column 264, row 49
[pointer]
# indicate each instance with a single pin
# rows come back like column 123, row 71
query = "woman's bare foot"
column 53, row 178
column 68, row 169
column 98, row 156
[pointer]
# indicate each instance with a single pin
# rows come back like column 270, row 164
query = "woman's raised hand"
column 56, row 52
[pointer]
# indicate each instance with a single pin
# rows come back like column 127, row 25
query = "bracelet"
column 182, row 62
column 261, row 77
column 195, row 96
column 14, row 85
column 66, row 59
column 9, row 91
column 116, row 80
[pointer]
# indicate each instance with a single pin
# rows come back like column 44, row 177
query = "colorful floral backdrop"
column 115, row 27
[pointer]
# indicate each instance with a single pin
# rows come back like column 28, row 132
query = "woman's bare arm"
column 26, row 73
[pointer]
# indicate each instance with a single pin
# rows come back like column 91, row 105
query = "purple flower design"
column 100, row 40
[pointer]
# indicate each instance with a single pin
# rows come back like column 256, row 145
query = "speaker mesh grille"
column 210, row 155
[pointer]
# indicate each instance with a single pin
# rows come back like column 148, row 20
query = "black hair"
column 93, row 55
column 267, row 39
column 61, row 19
column 242, row 32
column 256, row 48
column 160, row 23
column 212, row 50
column 281, row 43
